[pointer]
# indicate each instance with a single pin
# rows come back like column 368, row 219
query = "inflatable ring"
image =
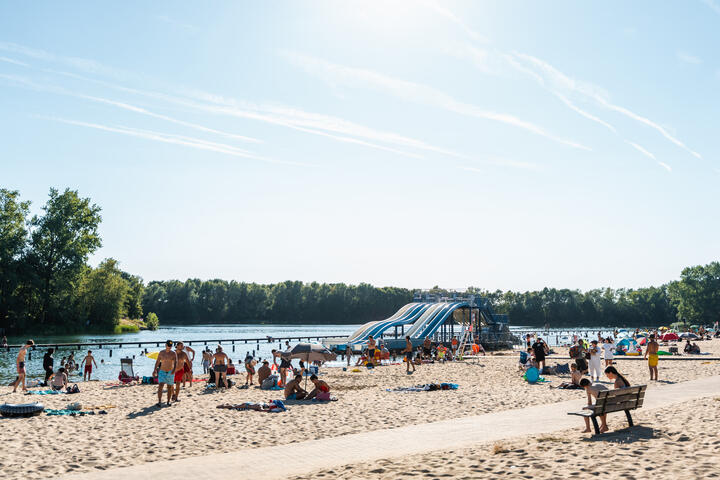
column 21, row 410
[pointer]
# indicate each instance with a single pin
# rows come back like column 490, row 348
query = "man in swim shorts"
column 20, row 366
column 371, row 349
column 427, row 348
column 409, row 354
column 165, row 371
column 182, row 360
column 207, row 358
column 88, row 361
column 220, row 361
column 293, row 391
column 651, row 353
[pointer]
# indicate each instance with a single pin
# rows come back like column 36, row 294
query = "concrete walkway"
column 262, row 463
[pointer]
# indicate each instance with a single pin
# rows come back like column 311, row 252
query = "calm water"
column 110, row 366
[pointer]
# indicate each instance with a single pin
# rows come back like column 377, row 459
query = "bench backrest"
column 620, row 399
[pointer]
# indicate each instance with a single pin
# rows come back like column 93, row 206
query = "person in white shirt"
column 595, row 365
column 608, row 349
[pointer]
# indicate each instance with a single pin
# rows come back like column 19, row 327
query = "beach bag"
column 523, row 357
column 574, row 351
column 269, row 382
column 581, row 364
column 323, row 396
column 73, row 389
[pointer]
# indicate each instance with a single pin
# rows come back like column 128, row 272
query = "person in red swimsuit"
column 182, row 361
column 89, row 360
column 321, row 390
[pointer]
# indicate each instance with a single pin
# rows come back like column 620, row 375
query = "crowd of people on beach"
column 374, row 353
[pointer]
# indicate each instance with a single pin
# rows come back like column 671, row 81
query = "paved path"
column 262, row 464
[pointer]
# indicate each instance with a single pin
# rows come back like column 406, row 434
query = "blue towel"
column 44, row 392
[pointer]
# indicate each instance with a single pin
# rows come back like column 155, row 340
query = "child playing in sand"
column 575, row 377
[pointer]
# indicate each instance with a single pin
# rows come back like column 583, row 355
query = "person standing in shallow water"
column 48, row 362
column 89, row 360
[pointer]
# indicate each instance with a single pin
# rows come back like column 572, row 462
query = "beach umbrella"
column 670, row 336
column 309, row 352
column 688, row 335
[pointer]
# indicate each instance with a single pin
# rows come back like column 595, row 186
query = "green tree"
column 134, row 297
column 13, row 241
column 152, row 322
column 61, row 241
column 101, row 296
column 697, row 294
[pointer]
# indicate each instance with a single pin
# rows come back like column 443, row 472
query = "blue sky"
column 499, row 144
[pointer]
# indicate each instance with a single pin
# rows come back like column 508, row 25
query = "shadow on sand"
column 625, row 435
column 146, row 411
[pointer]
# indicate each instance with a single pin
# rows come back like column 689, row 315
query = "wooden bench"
column 609, row 401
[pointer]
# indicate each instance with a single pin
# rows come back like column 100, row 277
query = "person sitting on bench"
column 592, row 391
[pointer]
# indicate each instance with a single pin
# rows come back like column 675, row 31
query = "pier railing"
column 158, row 343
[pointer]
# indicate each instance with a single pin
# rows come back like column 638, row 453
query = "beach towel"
column 44, row 392
column 274, row 406
column 428, row 387
column 72, row 413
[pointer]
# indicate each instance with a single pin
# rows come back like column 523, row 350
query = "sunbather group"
column 293, row 390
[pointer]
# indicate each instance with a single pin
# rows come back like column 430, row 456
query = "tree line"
column 47, row 285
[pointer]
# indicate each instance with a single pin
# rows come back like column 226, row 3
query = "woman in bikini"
column 321, row 390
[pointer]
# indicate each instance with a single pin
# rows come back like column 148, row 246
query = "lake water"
column 110, row 366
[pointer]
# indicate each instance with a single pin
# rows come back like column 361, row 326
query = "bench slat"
column 618, row 407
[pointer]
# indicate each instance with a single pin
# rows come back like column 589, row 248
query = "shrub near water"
column 126, row 328
column 152, row 322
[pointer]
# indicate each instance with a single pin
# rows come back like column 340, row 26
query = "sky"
column 497, row 144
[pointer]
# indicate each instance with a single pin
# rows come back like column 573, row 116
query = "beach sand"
column 666, row 443
column 137, row 432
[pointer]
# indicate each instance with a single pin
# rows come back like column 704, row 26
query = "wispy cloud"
column 82, row 64
column 649, row 155
column 335, row 128
column 335, row 74
column 14, row 62
column 175, row 23
column 441, row 10
column 582, row 112
column 26, row 82
column 641, row 149
column 563, row 82
column 688, row 58
column 173, row 139
column 714, row 5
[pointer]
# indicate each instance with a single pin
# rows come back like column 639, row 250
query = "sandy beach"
column 136, row 432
